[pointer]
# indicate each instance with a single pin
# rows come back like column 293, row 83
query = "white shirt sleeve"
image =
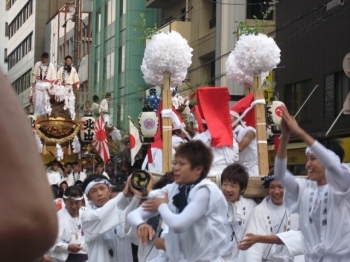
column 337, row 174
column 287, row 179
column 196, row 209
column 99, row 221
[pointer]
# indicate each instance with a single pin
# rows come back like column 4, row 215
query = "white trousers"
column 41, row 99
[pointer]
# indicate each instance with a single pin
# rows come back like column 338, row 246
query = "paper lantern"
column 274, row 113
column 148, row 124
column 87, row 128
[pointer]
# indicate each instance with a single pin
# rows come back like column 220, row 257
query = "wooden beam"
column 260, row 120
column 167, row 125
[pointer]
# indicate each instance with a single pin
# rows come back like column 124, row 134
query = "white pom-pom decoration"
column 166, row 53
column 236, row 74
column 256, row 53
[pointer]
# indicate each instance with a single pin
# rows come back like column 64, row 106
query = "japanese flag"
column 135, row 142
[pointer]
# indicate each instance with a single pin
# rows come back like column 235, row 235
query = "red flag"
column 100, row 139
column 242, row 105
column 213, row 106
column 199, row 118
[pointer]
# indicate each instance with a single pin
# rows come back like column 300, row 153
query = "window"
column 6, row 29
column 123, row 7
column 109, row 65
column 295, row 95
column 98, row 20
column 212, row 22
column 23, row 82
column 122, row 59
column 183, row 16
column 336, row 89
column 110, row 12
column 255, row 9
column 20, row 19
column 5, row 55
column 22, row 50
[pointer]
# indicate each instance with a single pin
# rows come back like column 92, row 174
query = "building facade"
column 313, row 48
column 26, row 42
column 116, row 56
column 4, row 38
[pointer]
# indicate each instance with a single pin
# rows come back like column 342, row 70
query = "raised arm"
column 99, row 221
column 190, row 215
column 280, row 171
column 24, row 217
column 338, row 175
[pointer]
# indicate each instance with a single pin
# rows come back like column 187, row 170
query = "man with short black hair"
column 44, row 75
column 104, row 216
column 67, row 76
column 67, row 174
column 53, row 175
column 77, row 174
column 104, row 108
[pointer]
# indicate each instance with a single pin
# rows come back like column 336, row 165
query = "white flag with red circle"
column 100, row 139
column 135, row 142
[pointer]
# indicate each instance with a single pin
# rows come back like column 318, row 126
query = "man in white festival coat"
column 44, row 75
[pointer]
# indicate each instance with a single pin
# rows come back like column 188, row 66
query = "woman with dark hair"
column 68, row 246
column 323, row 201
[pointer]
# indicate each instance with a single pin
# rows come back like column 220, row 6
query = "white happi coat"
column 335, row 222
column 237, row 219
column 119, row 242
column 70, row 231
column 54, row 177
column 68, row 79
column 260, row 223
column 41, row 98
column 222, row 156
column 294, row 242
column 99, row 221
column 202, row 241
column 104, row 110
column 324, row 215
column 249, row 156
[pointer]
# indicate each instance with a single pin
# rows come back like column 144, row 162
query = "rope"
column 60, row 140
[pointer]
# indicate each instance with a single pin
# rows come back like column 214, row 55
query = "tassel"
column 44, row 149
column 69, row 149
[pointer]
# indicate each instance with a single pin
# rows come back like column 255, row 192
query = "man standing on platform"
column 67, row 75
column 104, row 108
column 44, row 74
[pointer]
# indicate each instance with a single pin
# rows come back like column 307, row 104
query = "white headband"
column 233, row 113
column 308, row 151
column 96, row 182
column 73, row 198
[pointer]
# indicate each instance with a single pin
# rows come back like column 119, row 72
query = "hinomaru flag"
column 135, row 142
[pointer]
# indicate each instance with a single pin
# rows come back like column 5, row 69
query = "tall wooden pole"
column 260, row 120
column 167, row 124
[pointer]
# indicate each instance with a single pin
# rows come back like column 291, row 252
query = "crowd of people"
column 186, row 217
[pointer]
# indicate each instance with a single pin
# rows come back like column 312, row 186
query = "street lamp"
column 73, row 20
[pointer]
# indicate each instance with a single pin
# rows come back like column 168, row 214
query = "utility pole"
column 76, row 53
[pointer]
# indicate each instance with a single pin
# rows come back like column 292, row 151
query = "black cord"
column 285, row 212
